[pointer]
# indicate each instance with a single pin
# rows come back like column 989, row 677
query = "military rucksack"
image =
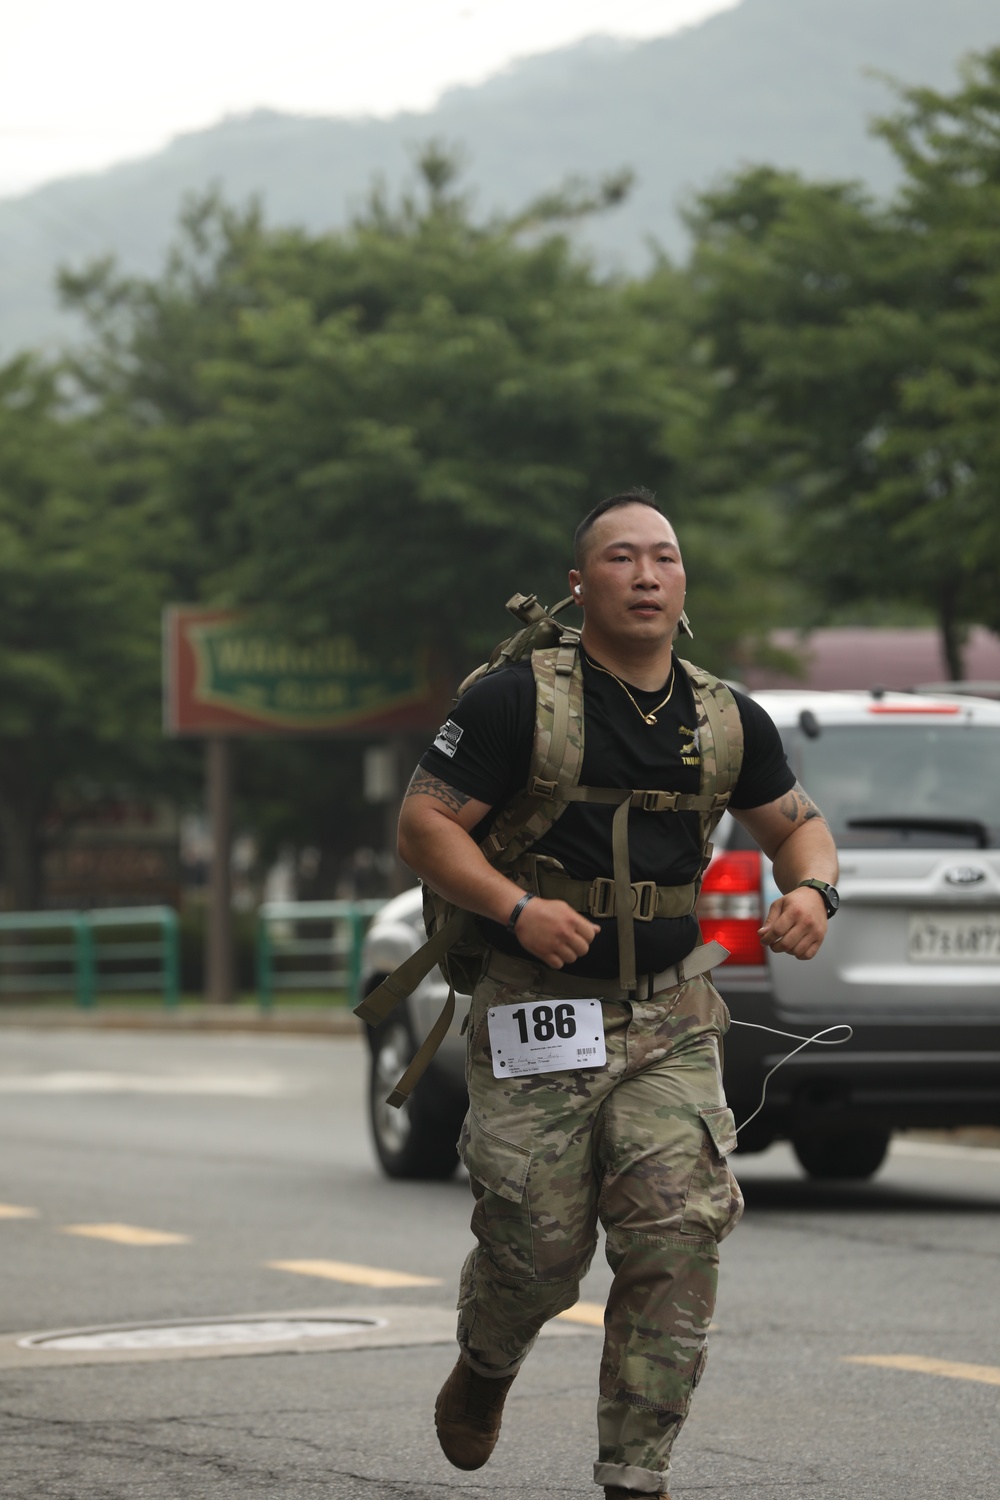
column 553, row 783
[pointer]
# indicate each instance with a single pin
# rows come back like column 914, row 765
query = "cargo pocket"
column 497, row 1164
column 502, row 1219
column 718, row 1121
column 714, row 1202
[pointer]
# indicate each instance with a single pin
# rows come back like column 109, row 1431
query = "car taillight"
column 729, row 907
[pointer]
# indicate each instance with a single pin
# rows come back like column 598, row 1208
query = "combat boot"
column 467, row 1415
column 615, row 1492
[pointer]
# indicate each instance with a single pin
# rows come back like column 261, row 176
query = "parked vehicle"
column 910, row 786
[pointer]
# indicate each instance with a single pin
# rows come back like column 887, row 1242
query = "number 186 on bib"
column 546, row 1036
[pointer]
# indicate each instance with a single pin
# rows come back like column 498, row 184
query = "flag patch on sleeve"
column 448, row 737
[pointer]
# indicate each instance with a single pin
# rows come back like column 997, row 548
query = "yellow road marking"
column 591, row 1313
column 127, row 1234
column 11, row 1211
column 922, row 1365
column 339, row 1270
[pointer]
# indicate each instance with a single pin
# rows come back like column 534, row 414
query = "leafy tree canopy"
column 387, row 431
column 79, row 625
column 855, row 351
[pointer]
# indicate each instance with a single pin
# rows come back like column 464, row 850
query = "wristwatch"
column 830, row 894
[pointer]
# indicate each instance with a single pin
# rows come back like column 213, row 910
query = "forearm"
column 796, row 922
column 444, row 855
column 808, row 853
column 436, row 842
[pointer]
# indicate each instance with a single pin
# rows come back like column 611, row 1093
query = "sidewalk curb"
column 281, row 1021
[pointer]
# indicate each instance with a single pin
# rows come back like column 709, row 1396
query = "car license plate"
column 958, row 937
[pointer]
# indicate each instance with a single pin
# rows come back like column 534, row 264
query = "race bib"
column 546, row 1036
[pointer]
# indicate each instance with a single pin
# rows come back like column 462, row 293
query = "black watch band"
column 830, row 894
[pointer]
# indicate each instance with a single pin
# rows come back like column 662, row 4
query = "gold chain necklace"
column 649, row 718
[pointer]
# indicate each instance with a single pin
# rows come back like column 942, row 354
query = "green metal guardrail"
column 281, row 949
column 79, row 963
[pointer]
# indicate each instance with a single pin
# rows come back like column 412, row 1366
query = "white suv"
column 910, row 785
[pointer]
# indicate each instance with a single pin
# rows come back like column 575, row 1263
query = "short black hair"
column 637, row 496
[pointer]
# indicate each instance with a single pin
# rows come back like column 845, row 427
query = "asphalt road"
column 149, row 1179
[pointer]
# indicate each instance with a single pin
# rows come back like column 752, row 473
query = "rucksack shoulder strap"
column 720, row 730
column 556, row 757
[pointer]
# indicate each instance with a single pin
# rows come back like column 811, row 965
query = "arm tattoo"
column 425, row 785
column 798, row 807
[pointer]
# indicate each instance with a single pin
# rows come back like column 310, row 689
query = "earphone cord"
column 821, row 1038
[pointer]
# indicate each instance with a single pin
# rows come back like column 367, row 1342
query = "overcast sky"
column 85, row 85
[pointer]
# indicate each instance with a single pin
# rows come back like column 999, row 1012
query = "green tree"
column 387, row 431
column 735, row 546
column 940, row 458
column 805, row 326
column 78, row 622
column 855, row 350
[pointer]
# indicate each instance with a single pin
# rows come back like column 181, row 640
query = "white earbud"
column 578, row 589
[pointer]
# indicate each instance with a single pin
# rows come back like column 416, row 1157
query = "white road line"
column 939, row 1151
column 251, row 1086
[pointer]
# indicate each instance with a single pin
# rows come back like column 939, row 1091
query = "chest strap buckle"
column 656, row 801
column 601, row 899
column 644, row 900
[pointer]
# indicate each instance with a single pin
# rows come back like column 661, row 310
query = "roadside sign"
column 225, row 674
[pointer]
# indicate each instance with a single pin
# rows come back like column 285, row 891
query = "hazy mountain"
column 783, row 81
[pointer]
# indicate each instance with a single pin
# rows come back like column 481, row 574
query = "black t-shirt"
column 485, row 751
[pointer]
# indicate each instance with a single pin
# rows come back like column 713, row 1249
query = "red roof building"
column 862, row 657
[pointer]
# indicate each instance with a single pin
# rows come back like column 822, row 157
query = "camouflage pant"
column 640, row 1144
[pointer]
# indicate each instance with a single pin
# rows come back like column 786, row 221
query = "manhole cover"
column 199, row 1335
column 282, row 1331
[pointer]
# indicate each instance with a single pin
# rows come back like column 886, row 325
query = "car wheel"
column 413, row 1141
column 846, row 1154
column 754, row 1136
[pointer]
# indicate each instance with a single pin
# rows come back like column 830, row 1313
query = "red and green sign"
column 225, row 674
